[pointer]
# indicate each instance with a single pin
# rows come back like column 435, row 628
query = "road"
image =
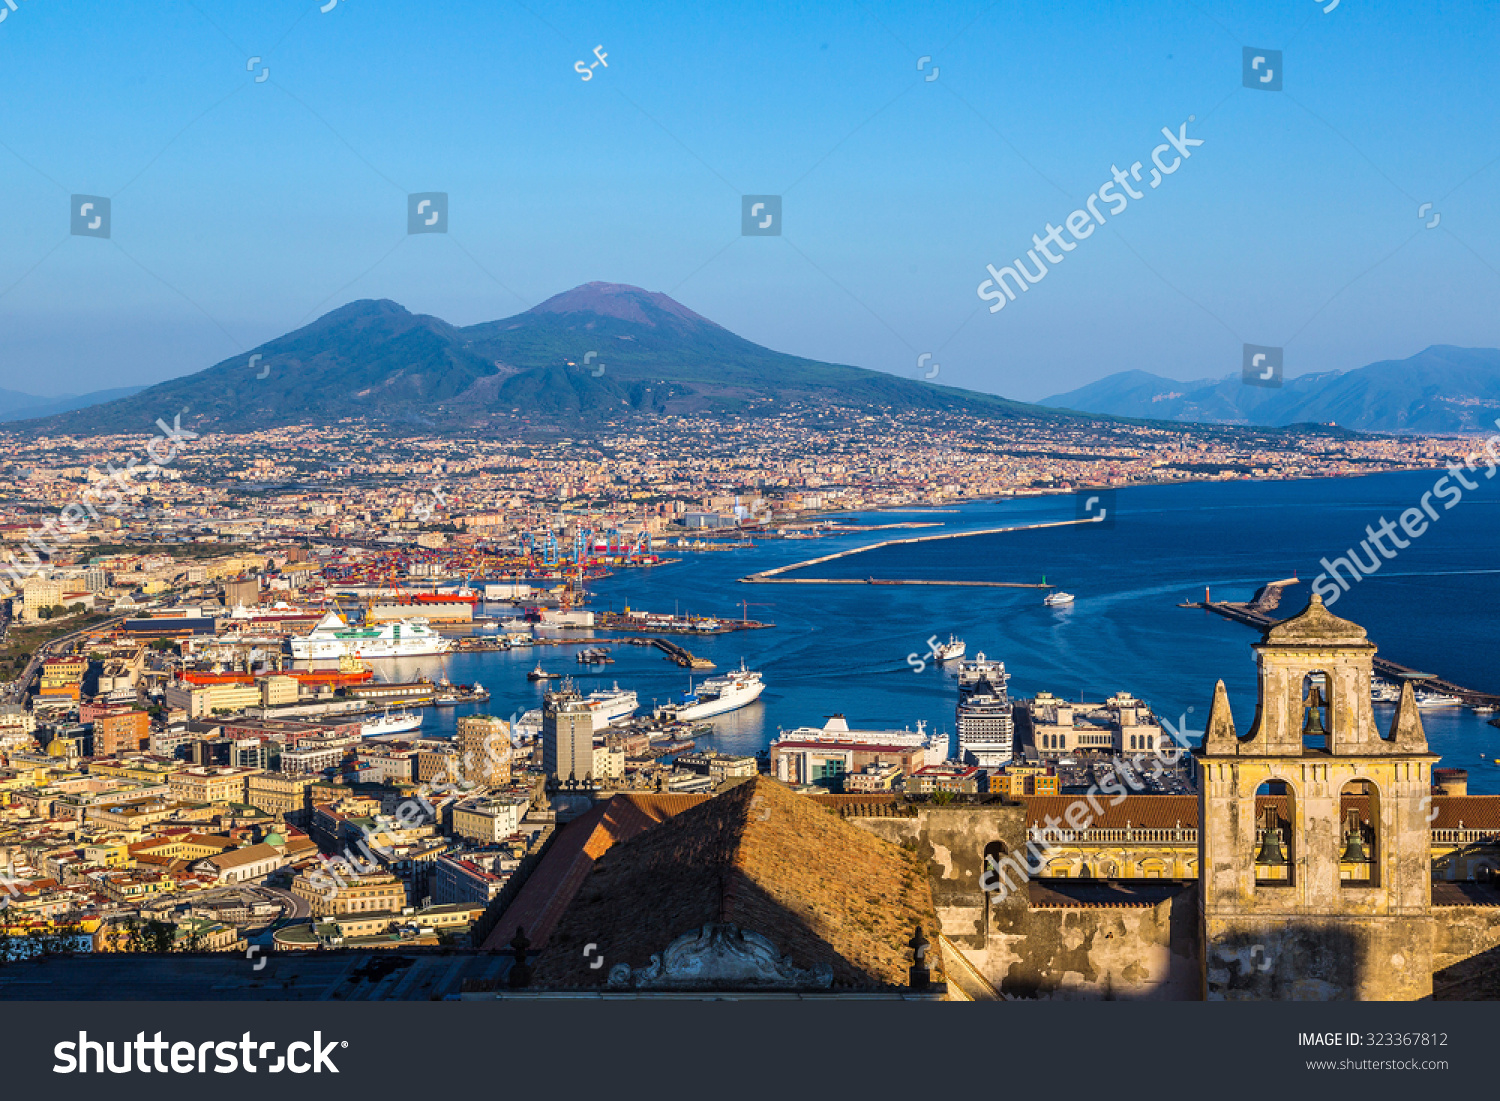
column 18, row 688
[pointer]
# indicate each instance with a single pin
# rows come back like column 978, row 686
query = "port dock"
column 1253, row 613
column 680, row 655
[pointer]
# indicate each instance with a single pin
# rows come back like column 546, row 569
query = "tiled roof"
column 1139, row 811
column 1464, row 894
column 1071, row 894
column 555, row 881
column 1476, row 812
column 761, row 858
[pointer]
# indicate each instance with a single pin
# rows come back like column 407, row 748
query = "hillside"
column 377, row 360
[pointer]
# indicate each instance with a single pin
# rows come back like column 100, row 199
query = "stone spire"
column 1219, row 737
column 1406, row 727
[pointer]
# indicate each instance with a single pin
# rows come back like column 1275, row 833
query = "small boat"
column 541, row 674
column 1058, row 599
column 1484, row 708
column 948, row 651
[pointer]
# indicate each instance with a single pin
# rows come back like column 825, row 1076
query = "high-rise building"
column 567, row 735
column 117, row 732
column 484, row 749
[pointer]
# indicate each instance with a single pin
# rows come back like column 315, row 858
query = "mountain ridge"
column 651, row 355
column 1441, row 389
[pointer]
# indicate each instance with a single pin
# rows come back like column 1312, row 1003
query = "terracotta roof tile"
column 764, row 859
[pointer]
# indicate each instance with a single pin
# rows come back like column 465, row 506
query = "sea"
column 861, row 651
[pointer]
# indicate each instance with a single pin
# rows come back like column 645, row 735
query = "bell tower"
column 1313, row 840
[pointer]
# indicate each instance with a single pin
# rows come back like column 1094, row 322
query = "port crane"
column 746, row 605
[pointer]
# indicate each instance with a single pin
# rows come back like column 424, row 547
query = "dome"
column 55, row 748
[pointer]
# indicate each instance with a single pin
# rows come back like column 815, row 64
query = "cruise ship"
column 837, row 729
column 717, row 695
column 611, row 704
column 1437, row 699
column 333, row 638
column 985, row 716
column 390, row 722
column 973, row 673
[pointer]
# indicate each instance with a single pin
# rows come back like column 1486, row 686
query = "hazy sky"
column 242, row 208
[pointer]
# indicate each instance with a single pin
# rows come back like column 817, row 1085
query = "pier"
column 680, row 655
column 1252, row 614
column 772, row 576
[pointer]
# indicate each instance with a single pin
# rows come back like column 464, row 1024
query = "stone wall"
column 1046, row 952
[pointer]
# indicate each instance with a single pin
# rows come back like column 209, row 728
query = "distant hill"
column 15, row 406
column 377, row 360
column 1441, row 389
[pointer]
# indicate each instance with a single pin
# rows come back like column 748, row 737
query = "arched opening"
column 992, row 873
column 1316, row 710
column 1274, row 853
column 1359, row 834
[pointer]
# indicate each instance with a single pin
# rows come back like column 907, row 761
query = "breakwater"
column 773, row 576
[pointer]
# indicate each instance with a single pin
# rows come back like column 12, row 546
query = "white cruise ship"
column 973, row 673
column 611, row 704
column 389, row 723
column 403, row 638
column 837, row 729
column 718, row 695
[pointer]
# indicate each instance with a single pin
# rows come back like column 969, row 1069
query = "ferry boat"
column 613, row 703
column 719, row 695
column 1058, row 599
column 390, row 722
column 1383, row 691
column 334, row 638
column 1437, row 699
column 953, row 648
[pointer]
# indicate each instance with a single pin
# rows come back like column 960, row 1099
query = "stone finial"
column 1406, row 727
column 520, row 972
column 1219, row 736
column 921, row 974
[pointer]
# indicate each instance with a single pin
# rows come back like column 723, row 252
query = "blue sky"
column 242, row 209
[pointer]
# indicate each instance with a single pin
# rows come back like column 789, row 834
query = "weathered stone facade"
column 1317, row 841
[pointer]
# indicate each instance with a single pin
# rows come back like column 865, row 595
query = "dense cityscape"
column 199, row 756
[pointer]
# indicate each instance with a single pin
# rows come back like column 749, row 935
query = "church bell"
column 1313, row 727
column 1354, row 842
column 1270, row 847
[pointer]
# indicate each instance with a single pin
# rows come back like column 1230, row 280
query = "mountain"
column 651, row 355
column 16, row 406
column 1440, row 389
